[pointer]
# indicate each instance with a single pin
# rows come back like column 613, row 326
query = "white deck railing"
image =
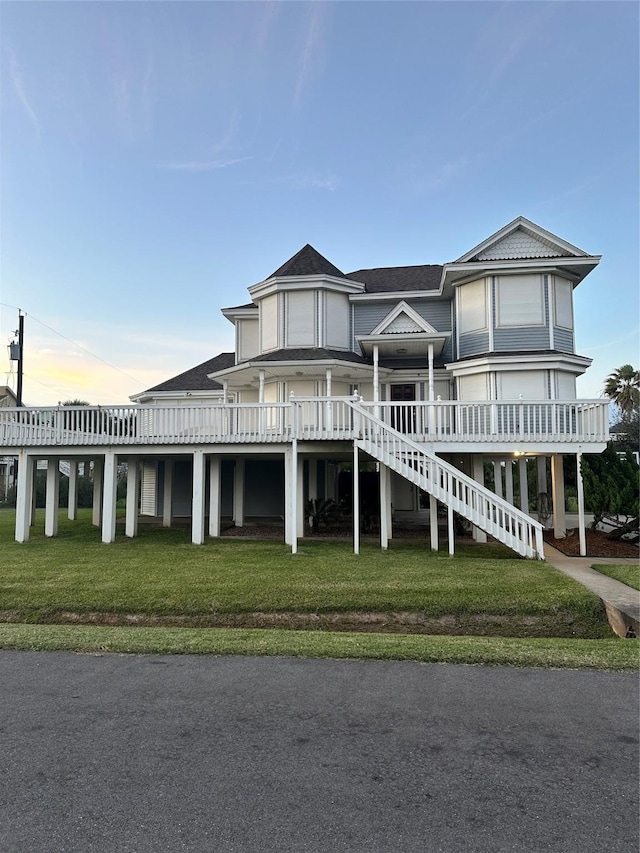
column 304, row 418
column 502, row 420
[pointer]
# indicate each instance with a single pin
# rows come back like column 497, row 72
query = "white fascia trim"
column 554, row 361
column 527, row 225
column 303, row 282
column 175, row 395
column 542, row 265
column 403, row 336
column 266, row 365
column 233, row 314
column 390, row 295
column 403, row 308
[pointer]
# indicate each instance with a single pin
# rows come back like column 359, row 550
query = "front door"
column 403, row 418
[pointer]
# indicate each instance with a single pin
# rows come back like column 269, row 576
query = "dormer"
column 304, row 304
column 514, row 291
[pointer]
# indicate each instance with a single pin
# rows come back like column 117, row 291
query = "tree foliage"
column 610, row 484
column 622, row 387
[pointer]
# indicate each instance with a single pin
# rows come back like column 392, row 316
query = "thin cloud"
column 15, row 75
column 203, row 165
column 310, row 56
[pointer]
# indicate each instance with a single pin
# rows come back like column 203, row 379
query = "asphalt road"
column 124, row 753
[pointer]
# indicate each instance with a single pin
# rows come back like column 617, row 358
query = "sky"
column 158, row 158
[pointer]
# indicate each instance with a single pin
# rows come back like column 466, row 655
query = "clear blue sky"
column 158, row 158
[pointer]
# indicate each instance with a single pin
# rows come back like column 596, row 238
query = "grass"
column 630, row 575
column 610, row 654
column 161, row 576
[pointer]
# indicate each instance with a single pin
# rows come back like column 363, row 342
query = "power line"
column 75, row 343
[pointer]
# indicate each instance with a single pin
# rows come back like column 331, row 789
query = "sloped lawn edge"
column 609, row 654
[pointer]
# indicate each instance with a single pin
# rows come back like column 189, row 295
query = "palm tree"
column 623, row 388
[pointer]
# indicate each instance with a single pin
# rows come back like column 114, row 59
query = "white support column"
column 98, row 488
column 431, row 385
column 238, row 493
column 356, row 500
column 478, row 476
column 261, row 386
column 167, row 494
column 72, row 511
column 133, row 496
column 288, row 529
column 433, row 522
column 24, row 493
column 52, row 498
column 376, row 380
column 508, row 480
column 524, row 484
column 197, row 498
column 293, row 497
column 557, row 487
column 300, row 497
column 543, row 486
column 329, row 406
column 450, row 532
column 215, row 469
column 580, row 489
column 109, row 493
column 32, row 493
column 497, row 477
column 385, row 501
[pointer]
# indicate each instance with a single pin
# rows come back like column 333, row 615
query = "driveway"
column 149, row 753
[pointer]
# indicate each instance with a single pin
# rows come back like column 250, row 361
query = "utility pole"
column 20, row 355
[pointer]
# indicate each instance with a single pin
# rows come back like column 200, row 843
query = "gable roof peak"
column 308, row 261
column 521, row 239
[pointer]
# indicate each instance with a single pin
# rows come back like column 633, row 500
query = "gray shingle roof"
column 239, row 307
column 313, row 354
column 307, row 262
column 397, row 279
column 196, row 379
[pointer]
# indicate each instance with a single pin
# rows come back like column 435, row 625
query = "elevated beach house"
column 426, row 373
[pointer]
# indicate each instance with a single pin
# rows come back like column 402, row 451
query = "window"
column 520, row 300
column 563, row 303
column 472, row 304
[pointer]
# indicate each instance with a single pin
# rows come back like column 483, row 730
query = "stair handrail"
column 381, row 427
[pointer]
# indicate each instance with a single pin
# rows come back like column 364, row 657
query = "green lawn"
column 613, row 653
column 629, row 574
column 161, row 574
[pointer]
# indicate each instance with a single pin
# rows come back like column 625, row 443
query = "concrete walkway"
column 621, row 601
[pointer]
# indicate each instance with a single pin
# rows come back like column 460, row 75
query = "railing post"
column 294, row 416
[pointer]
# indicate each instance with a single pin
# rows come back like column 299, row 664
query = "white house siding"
column 336, row 321
column 301, row 320
column 269, row 323
column 149, row 488
column 248, row 339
